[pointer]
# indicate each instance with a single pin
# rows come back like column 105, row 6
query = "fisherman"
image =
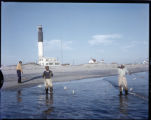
column 122, row 71
column 19, row 70
column 1, row 79
column 47, row 74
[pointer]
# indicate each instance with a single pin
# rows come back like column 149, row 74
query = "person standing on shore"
column 47, row 74
column 19, row 70
column 1, row 79
column 122, row 71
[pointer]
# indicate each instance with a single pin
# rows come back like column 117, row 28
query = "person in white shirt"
column 122, row 71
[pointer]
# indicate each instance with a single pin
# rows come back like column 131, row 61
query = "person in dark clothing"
column 47, row 74
column 1, row 79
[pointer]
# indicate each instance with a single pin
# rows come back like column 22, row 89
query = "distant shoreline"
column 33, row 73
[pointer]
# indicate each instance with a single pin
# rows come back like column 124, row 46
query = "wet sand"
column 32, row 73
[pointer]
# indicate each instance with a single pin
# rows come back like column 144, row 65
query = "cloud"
column 128, row 46
column 133, row 44
column 103, row 39
column 145, row 43
column 57, row 44
column 67, row 45
column 52, row 43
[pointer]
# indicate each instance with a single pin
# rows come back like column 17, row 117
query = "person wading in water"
column 122, row 71
column 47, row 74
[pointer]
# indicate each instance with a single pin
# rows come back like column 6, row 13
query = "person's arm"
column 17, row 67
column 21, row 69
column 51, row 73
column 127, row 72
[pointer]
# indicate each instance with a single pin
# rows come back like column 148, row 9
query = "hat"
column 122, row 66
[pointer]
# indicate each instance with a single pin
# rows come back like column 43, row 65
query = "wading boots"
column 46, row 90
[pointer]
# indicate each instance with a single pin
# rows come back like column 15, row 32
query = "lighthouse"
column 40, row 42
column 44, row 61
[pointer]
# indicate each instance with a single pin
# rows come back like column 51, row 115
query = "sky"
column 114, row 32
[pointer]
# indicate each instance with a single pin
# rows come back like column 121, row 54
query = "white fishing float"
column 73, row 92
column 65, row 87
column 39, row 86
column 131, row 89
column 134, row 78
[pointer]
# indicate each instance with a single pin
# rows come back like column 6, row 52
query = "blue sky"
column 113, row 32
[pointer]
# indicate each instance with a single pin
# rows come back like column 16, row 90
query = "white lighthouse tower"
column 40, row 42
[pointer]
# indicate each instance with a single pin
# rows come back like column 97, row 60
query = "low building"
column 48, row 61
column 102, row 61
column 92, row 60
column 146, row 61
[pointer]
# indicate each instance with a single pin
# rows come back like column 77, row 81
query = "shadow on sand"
column 32, row 79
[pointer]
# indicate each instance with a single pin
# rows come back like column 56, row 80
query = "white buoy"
column 134, row 78
column 65, row 87
column 131, row 89
column 73, row 91
column 39, row 86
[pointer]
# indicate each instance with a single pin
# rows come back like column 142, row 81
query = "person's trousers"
column 48, row 84
column 19, row 76
column 122, row 82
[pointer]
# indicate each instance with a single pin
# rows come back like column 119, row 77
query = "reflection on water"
column 123, row 107
column 49, row 99
column 0, row 105
column 96, row 98
column 49, row 102
column 19, row 97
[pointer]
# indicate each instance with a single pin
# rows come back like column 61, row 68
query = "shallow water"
column 92, row 98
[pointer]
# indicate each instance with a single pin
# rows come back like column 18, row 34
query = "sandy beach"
column 32, row 73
